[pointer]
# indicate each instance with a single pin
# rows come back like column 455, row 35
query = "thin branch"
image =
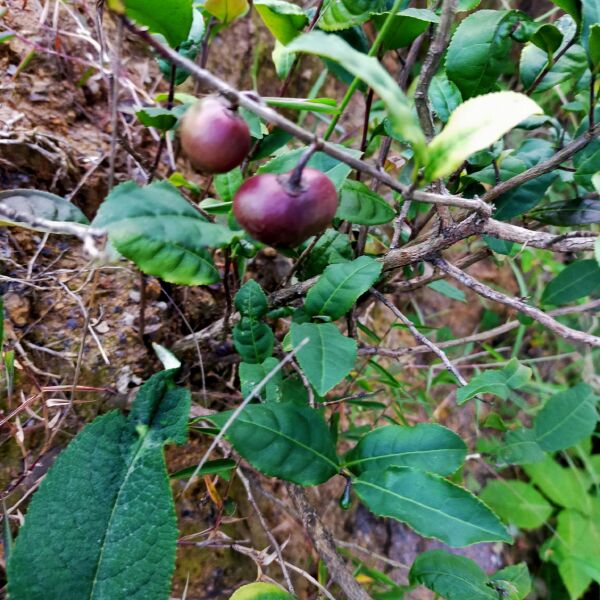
column 535, row 313
column 552, row 163
column 419, row 336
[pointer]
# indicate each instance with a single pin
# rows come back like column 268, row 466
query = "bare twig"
column 535, row 313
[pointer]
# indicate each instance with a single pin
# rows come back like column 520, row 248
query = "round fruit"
column 276, row 212
column 214, row 137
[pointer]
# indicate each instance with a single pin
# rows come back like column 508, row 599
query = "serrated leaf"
column 431, row 505
column 358, row 204
column 473, row 126
column 567, row 418
column 340, row 286
column 480, row 50
column 333, row 247
column 251, row 375
column 328, row 356
column 226, row 10
column 369, row 70
column 426, row 446
column 575, row 281
column 283, row 19
column 43, row 205
column 498, row 383
column 172, row 19
column 253, row 340
column 452, row 577
column 444, row 96
column 284, row 440
column 156, row 228
column 519, row 447
column 227, row 184
column 260, row 591
column 517, row 502
column 518, row 576
column 105, row 508
column 334, row 169
column 251, row 300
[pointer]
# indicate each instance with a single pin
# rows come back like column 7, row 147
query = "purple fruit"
column 276, row 212
column 214, row 137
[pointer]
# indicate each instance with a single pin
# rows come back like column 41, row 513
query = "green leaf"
column 369, row 70
column 43, row 205
column 283, row 19
column 571, row 7
column 597, row 250
column 210, row 467
column 260, row 591
column 159, row 118
column 499, row 383
column 447, row 289
column 519, row 447
column 467, row 5
column 444, row 96
column 590, row 12
column 479, row 51
column 406, row 26
column 452, row 577
column 253, row 340
column 517, row 502
column 575, row 281
column 320, row 105
column 340, row 286
column 227, row 184
column 226, row 10
column 547, row 38
column 285, row 440
column 566, row 419
column 334, row 169
column 572, row 212
column 358, row 204
column 594, row 46
column 251, row 301
column 588, row 167
column 172, row 19
column 564, row 486
column 156, row 228
column 475, row 125
column 332, row 248
column 105, row 508
column 251, row 375
column 431, row 505
column 518, row 576
column 426, row 446
column 343, row 14
column 328, row 356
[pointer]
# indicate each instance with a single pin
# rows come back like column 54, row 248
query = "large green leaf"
column 499, row 383
column 340, row 286
column 517, row 502
column 369, row 70
column 253, row 340
column 105, row 508
column 590, row 12
column 452, row 577
column 431, row 505
column 567, row 418
column 43, row 205
column 251, row 300
column 519, row 447
column 283, row 19
column 328, row 356
column 172, row 19
column 426, row 446
column 332, row 247
column 479, row 51
column 358, row 204
column 406, row 26
column 571, row 7
column 475, row 125
column 343, row 14
column 156, row 228
column 572, row 212
column 562, row 485
column 260, row 591
column 575, row 281
column 444, row 96
column 334, row 169
column 285, row 440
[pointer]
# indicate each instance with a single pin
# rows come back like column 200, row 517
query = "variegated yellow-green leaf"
column 226, row 10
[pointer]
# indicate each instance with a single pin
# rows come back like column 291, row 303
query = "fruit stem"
column 296, row 176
